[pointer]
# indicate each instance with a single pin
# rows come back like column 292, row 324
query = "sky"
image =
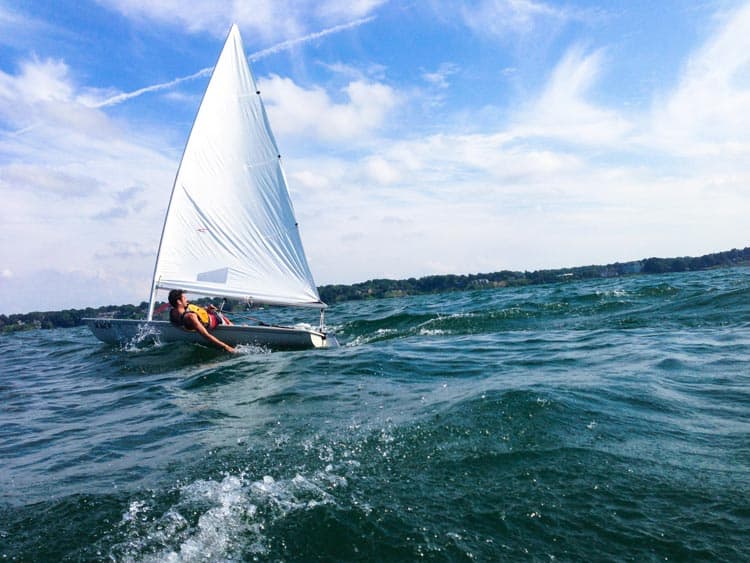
column 418, row 137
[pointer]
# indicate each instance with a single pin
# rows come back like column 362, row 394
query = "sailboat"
column 230, row 229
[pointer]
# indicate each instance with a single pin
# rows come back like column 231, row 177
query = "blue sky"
column 419, row 138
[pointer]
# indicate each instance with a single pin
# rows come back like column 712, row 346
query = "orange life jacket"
column 208, row 320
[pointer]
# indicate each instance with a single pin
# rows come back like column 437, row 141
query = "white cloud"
column 439, row 78
column 47, row 182
column 95, row 188
column 200, row 15
column 569, row 181
column 42, row 100
column 563, row 111
column 38, row 81
column 382, row 172
column 51, row 289
column 709, row 112
column 271, row 20
column 503, row 17
column 347, row 9
column 435, row 211
column 17, row 29
column 313, row 112
column 373, row 71
column 62, row 168
column 100, row 98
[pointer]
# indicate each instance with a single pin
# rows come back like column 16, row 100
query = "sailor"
column 194, row 318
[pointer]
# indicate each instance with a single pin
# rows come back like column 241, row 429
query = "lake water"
column 597, row 420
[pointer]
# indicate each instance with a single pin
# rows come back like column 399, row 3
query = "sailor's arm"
column 193, row 322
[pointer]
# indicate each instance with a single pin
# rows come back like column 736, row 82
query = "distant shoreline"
column 378, row 288
column 385, row 288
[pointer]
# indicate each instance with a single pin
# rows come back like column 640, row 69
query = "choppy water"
column 604, row 420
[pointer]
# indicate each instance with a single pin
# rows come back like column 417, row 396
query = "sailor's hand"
column 229, row 349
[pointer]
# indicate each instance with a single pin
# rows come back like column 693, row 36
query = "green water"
column 594, row 421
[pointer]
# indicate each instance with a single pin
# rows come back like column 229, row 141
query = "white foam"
column 252, row 349
column 433, row 332
column 136, row 507
column 232, row 516
column 146, row 334
column 367, row 338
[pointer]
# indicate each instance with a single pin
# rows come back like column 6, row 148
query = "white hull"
column 124, row 331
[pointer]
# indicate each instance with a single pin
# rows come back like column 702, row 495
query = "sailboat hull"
column 126, row 331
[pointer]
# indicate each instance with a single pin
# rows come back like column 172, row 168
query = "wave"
column 605, row 418
column 224, row 519
column 633, row 303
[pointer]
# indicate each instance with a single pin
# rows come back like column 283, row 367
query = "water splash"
column 145, row 337
column 218, row 520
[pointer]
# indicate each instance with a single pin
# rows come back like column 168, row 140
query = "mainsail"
column 230, row 228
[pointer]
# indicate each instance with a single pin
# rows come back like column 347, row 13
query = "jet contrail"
column 119, row 98
column 292, row 42
column 128, row 95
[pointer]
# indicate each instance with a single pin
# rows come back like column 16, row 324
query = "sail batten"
column 230, row 228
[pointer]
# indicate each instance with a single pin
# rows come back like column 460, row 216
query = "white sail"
column 230, row 228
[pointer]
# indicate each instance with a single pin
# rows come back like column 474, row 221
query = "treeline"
column 732, row 257
column 69, row 317
column 72, row 317
column 380, row 288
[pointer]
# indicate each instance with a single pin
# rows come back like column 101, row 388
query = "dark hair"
column 174, row 296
